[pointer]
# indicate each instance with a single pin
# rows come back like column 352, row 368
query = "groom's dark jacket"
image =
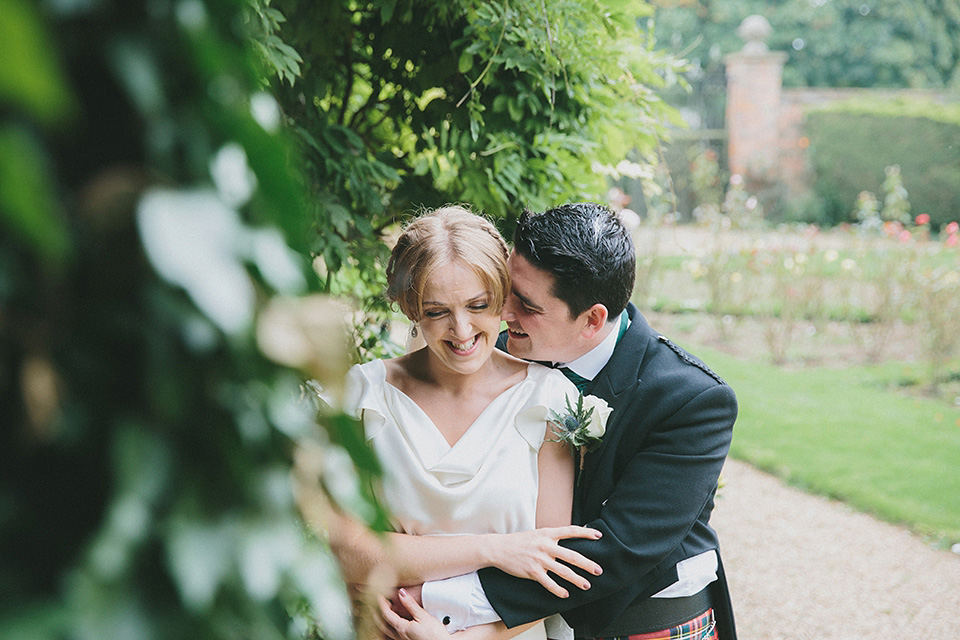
column 649, row 488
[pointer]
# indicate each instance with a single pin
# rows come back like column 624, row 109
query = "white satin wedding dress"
column 486, row 482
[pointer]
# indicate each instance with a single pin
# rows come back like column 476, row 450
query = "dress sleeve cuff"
column 458, row 602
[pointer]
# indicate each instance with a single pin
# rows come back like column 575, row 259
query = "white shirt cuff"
column 458, row 602
column 693, row 574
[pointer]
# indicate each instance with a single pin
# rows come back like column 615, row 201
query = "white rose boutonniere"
column 583, row 425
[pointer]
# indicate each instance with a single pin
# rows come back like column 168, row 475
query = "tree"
column 150, row 210
column 506, row 104
column 832, row 43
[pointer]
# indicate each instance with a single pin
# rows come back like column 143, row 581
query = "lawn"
column 843, row 350
column 845, row 433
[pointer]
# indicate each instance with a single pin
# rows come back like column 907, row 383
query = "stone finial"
column 754, row 31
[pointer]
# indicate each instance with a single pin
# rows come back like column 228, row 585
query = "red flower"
column 904, row 236
column 922, row 219
column 953, row 227
column 953, row 240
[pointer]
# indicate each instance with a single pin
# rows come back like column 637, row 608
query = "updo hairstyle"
column 438, row 238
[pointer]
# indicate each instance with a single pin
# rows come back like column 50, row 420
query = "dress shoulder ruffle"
column 364, row 395
column 548, row 395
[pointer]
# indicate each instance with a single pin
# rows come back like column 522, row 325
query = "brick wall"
column 753, row 106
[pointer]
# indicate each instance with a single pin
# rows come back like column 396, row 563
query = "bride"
column 472, row 474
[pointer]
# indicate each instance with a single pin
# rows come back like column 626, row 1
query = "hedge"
column 852, row 143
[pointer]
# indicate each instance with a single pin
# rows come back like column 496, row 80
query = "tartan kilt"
column 703, row 627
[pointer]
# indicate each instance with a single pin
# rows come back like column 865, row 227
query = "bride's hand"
column 421, row 626
column 531, row 554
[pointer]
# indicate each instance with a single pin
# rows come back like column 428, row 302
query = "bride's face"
column 457, row 320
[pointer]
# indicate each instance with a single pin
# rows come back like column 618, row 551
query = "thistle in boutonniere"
column 581, row 426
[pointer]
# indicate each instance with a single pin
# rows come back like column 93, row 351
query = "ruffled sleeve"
column 549, row 394
column 363, row 396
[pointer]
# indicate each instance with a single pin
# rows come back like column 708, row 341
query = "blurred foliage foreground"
column 151, row 253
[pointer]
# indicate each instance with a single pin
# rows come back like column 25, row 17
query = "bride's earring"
column 415, row 331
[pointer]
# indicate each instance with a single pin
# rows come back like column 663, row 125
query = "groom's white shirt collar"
column 589, row 364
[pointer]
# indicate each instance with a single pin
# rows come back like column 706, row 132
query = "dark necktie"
column 575, row 378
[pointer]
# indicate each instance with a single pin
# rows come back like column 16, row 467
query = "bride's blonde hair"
column 437, row 238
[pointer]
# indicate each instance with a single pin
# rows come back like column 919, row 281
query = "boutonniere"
column 581, row 426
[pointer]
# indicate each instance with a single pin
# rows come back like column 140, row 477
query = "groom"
column 650, row 486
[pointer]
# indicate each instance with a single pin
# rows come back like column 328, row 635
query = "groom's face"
column 539, row 326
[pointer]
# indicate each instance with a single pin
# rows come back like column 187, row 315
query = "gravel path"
column 805, row 567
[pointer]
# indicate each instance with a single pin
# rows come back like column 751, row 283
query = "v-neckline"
column 406, row 398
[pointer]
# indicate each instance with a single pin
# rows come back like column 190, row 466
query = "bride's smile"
column 464, row 348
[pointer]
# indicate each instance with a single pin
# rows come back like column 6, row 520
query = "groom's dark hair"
column 586, row 248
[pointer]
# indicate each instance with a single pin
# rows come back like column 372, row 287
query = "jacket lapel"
column 617, row 383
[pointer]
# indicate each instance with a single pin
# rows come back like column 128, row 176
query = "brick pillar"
column 754, row 80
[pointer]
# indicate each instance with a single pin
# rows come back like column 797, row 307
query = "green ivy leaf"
column 199, row 555
column 31, row 76
column 27, row 204
column 465, row 63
